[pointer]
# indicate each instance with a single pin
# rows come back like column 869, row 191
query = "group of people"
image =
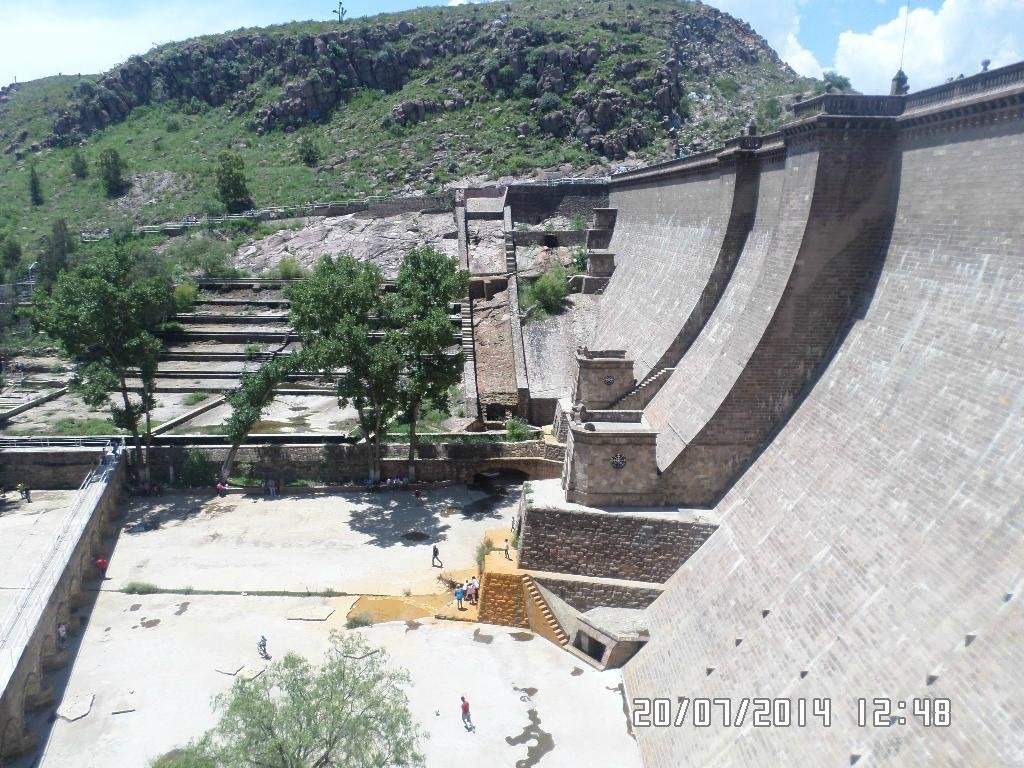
column 468, row 591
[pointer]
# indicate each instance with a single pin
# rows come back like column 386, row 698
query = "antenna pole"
column 906, row 26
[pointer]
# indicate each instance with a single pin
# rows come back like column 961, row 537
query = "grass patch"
column 69, row 425
column 359, row 620
column 195, row 398
column 140, row 588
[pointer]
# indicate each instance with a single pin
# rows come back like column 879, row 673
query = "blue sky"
column 859, row 38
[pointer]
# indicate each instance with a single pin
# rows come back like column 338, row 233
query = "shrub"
column 483, row 549
column 172, row 126
column 549, row 290
column 445, row 580
column 579, row 260
column 728, row 87
column 290, row 269
column 309, row 152
column 517, row 429
column 35, row 191
column 79, row 168
column 185, row 296
column 195, row 398
column 579, row 222
column 232, row 188
column 528, row 85
column 197, row 472
column 359, row 620
column 112, row 170
column 140, row 588
column 252, row 351
column 549, row 102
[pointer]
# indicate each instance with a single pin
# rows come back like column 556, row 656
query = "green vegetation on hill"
column 393, row 103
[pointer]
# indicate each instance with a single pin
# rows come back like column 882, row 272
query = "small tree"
column 248, row 403
column 309, row 152
column 56, row 247
column 341, row 13
column 839, row 82
column 10, row 256
column 232, row 188
column 35, row 191
column 79, row 168
column 112, row 170
column 350, row 711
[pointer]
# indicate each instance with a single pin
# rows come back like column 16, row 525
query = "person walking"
column 467, row 721
column 507, row 556
column 459, row 593
column 436, row 558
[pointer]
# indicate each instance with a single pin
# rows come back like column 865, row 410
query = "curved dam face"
column 859, row 391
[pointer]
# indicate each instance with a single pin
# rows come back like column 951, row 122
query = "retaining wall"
column 584, row 595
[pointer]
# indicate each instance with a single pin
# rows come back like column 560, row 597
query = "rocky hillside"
column 396, row 102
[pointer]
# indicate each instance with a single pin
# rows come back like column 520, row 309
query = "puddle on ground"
column 542, row 741
column 528, row 693
column 576, row 672
column 380, row 609
column 480, row 637
column 135, row 606
column 149, row 623
column 182, row 607
column 522, row 637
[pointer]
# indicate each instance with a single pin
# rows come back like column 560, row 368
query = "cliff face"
column 609, row 75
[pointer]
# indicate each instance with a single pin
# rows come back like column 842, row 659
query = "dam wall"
column 666, row 243
column 874, row 547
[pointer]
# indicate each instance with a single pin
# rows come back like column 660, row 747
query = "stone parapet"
column 602, row 377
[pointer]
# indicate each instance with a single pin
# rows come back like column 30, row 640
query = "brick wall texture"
column 503, row 600
column 584, row 595
column 608, row 545
column 874, row 547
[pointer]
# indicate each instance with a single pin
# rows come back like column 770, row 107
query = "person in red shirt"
column 101, row 565
column 466, row 719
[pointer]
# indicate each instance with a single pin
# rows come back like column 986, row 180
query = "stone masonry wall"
column 45, row 469
column 502, row 600
column 606, row 544
column 584, row 595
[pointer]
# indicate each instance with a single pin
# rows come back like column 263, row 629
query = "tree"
column 112, row 170
column 105, row 311
column 248, row 403
column 340, row 313
column 232, row 188
column 79, row 168
column 56, row 247
column 341, row 13
column 839, row 82
column 35, row 191
column 428, row 282
column 351, row 711
column 10, row 256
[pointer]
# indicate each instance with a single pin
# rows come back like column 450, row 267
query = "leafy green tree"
column 104, row 311
column 10, row 256
column 309, row 152
column 340, row 313
column 112, row 170
column 428, row 282
column 351, row 711
column 248, row 403
column 839, row 82
column 550, row 289
column 35, row 191
column 53, row 256
column 79, row 168
column 232, row 188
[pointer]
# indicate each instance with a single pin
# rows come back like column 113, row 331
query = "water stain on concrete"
column 480, row 637
column 542, row 741
column 522, row 637
column 411, row 625
column 406, row 608
column 182, row 607
column 576, row 672
column 621, row 690
column 149, row 623
column 528, row 693
column 135, row 606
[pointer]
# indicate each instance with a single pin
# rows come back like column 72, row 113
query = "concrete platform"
column 371, row 543
column 532, row 703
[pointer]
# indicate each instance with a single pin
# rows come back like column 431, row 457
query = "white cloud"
column 38, row 39
column 940, row 44
column 778, row 21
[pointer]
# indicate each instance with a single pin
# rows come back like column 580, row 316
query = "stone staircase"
column 466, row 327
column 639, row 396
column 511, row 265
column 541, row 619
